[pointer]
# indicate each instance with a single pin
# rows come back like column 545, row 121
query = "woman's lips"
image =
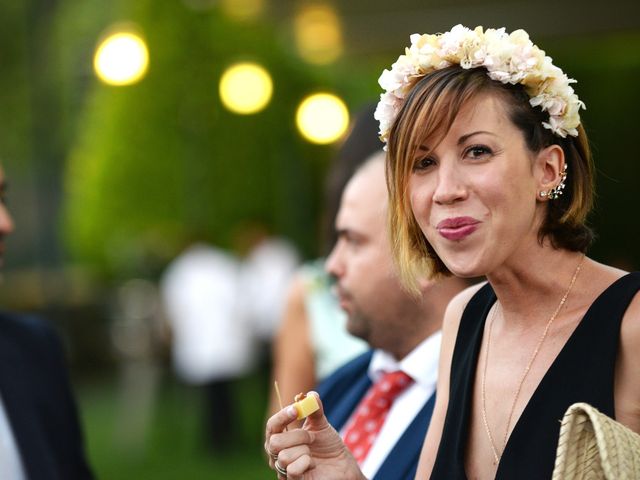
column 457, row 228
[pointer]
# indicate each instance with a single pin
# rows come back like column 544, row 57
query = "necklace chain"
column 497, row 455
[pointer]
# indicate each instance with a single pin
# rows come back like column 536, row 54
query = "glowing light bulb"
column 322, row 118
column 245, row 88
column 318, row 34
column 122, row 58
column 243, row 9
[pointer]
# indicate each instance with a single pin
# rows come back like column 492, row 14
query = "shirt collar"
column 421, row 364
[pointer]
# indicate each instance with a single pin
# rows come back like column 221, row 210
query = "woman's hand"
column 313, row 452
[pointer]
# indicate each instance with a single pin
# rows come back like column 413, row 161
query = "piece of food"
column 305, row 405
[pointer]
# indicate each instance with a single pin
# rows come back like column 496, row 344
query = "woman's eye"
column 423, row 163
column 478, row 151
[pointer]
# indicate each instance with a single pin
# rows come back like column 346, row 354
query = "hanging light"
column 242, row 9
column 245, row 88
column 318, row 34
column 122, row 58
column 322, row 118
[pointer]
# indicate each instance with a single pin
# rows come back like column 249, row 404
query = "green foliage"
column 170, row 445
column 14, row 87
column 162, row 158
column 607, row 69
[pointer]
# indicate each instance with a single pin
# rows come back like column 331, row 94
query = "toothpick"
column 275, row 384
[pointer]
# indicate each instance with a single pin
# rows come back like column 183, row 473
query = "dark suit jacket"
column 38, row 401
column 341, row 393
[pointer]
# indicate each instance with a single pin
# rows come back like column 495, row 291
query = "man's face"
column 367, row 284
column 6, row 222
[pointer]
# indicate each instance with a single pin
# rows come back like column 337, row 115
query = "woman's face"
column 474, row 195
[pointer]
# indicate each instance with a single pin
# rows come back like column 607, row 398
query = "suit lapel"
column 402, row 461
column 350, row 400
column 342, row 391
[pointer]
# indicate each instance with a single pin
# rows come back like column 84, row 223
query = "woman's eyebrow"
column 466, row 137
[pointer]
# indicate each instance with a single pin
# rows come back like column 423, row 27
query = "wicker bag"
column 593, row 446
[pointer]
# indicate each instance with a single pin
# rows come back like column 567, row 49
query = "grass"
column 161, row 439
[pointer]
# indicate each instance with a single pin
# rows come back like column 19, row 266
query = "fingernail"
column 292, row 412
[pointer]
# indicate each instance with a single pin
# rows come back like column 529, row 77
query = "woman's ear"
column 551, row 170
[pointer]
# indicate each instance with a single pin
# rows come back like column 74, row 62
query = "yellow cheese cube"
column 306, row 406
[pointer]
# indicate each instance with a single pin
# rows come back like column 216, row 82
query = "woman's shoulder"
column 627, row 393
column 609, row 281
column 456, row 308
column 461, row 300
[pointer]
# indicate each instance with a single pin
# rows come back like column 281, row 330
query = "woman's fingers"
column 286, row 440
column 275, row 431
column 278, row 422
column 291, row 455
column 301, row 465
column 292, row 449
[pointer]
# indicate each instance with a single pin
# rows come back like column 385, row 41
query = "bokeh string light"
column 322, row 118
column 245, row 88
column 121, row 58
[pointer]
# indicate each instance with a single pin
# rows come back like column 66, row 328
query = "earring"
column 557, row 190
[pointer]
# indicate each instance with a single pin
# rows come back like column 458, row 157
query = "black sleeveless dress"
column 583, row 371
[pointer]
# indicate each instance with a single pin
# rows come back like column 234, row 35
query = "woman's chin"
column 466, row 273
column 465, row 268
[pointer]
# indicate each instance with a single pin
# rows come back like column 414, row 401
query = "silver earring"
column 557, row 190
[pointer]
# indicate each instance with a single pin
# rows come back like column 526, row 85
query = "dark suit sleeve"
column 57, row 407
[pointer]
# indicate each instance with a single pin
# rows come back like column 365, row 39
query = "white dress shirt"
column 10, row 462
column 422, row 366
column 201, row 299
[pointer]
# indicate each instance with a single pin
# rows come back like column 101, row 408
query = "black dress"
column 583, row 371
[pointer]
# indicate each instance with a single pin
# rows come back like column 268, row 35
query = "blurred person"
column 490, row 173
column 211, row 345
column 402, row 331
column 40, row 434
column 265, row 273
column 312, row 340
column 137, row 335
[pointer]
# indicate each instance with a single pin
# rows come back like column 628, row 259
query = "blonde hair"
column 428, row 113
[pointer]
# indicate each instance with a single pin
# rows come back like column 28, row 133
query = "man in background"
column 40, row 436
column 381, row 402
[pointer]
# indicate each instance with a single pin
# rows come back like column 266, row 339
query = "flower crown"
column 508, row 58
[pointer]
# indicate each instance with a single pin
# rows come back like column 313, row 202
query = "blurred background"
column 131, row 128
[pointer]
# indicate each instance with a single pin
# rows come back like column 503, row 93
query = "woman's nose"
column 450, row 186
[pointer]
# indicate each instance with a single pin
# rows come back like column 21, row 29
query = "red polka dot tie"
column 369, row 417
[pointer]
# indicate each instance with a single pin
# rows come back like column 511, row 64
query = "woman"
column 489, row 173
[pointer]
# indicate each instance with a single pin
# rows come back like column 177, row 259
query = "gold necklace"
column 497, row 456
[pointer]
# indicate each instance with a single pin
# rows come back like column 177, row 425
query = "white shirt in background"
column 10, row 463
column 201, row 298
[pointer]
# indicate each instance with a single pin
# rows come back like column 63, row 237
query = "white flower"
column 452, row 41
column 508, row 58
column 386, row 111
column 399, row 74
column 553, row 104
